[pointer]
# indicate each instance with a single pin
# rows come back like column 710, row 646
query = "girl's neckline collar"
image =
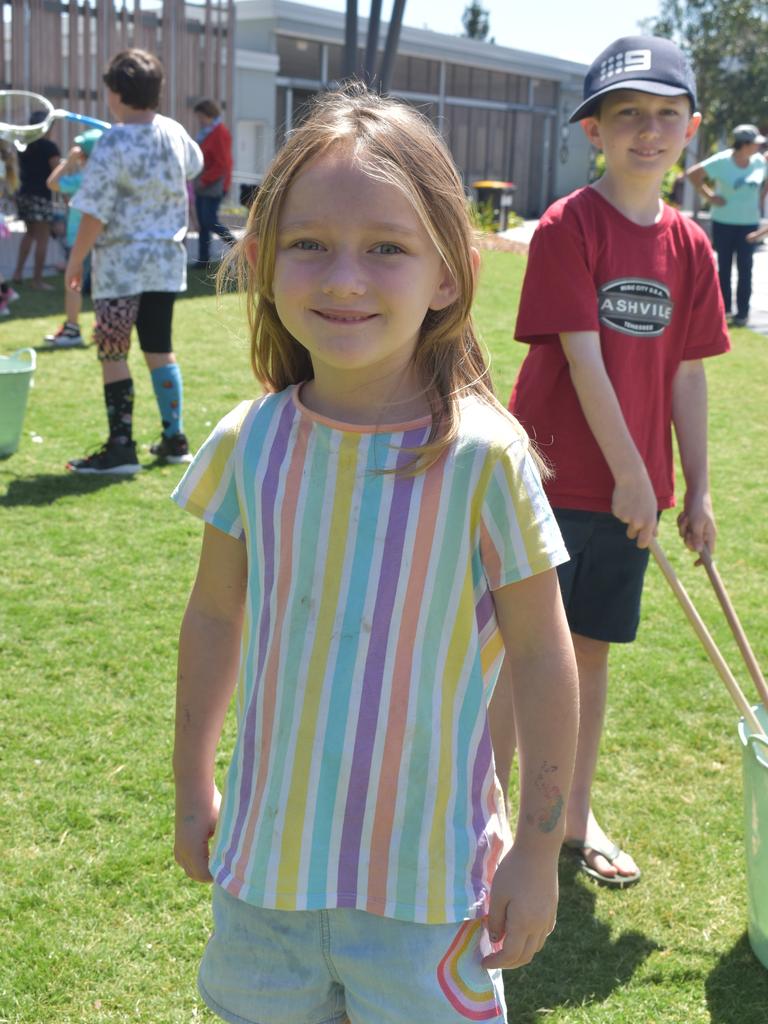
column 355, row 428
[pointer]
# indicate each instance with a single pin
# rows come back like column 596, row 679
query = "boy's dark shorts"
column 603, row 582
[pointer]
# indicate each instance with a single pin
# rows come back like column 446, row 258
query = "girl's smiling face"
column 355, row 273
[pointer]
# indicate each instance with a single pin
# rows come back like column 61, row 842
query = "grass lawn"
column 98, row 925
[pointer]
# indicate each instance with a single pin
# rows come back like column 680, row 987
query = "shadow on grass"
column 47, row 488
column 737, row 987
column 581, row 962
column 52, row 350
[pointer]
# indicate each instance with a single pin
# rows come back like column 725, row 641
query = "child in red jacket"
column 210, row 188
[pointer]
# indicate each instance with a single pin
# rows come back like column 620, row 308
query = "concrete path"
column 758, row 313
column 523, row 233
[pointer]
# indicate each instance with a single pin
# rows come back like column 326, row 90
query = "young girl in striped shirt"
column 376, row 540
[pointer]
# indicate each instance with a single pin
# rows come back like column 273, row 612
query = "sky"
column 571, row 29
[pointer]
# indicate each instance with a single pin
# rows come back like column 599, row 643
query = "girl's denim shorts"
column 327, row 966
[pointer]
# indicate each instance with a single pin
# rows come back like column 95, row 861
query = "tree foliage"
column 727, row 42
column 476, row 21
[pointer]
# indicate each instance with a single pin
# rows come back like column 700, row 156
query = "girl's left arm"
column 538, row 645
column 209, row 648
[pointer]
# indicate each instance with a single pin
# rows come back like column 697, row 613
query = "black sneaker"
column 67, row 336
column 117, row 459
column 739, row 321
column 172, row 449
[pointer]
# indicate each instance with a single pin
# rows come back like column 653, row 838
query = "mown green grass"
column 99, row 926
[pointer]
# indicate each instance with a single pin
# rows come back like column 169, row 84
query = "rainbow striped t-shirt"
column 362, row 774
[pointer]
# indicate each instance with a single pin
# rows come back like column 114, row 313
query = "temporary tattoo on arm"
column 549, row 815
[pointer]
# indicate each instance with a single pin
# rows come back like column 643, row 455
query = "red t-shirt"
column 652, row 293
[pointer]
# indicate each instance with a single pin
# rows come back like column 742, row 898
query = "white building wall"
column 253, row 122
column 564, row 151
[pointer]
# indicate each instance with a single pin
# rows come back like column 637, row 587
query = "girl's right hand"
column 195, row 824
column 717, row 201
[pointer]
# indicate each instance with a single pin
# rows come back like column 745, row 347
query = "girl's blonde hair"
column 395, row 144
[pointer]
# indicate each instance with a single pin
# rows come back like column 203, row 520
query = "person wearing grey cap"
column 739, row 175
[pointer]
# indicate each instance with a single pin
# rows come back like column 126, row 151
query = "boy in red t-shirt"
column 620, row 304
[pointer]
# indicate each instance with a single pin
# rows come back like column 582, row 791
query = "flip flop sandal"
column 610, row 851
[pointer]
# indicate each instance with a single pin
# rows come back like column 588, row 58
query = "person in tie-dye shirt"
column 376, row 541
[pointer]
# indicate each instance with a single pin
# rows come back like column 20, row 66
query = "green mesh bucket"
column 15, row 379
column 754, row 762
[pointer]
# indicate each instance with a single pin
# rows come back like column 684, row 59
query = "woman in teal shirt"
column 739, row 175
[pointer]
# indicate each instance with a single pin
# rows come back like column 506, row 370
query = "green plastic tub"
column 754, row 761
column 15, row 379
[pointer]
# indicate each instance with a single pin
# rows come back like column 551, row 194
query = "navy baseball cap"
column 646, row 63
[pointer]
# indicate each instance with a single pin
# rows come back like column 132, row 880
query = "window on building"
column 335, row 62
column 457, row 80
column 498, row 86
column 299, row 58
column 292, row 108
column 429, row 110
column 539, row 171
column 413, row 74
column 400, row 73
column 250, row 149
column 478, row 144
column 423, row 75
column 479, row 84
column 521, row 159
column 544, row 93
column 280, row 116
column 302, row 103
column 497, row 162
column 456, row 133
column 517, row 89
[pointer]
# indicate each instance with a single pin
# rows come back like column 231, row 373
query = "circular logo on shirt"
column 636, row 306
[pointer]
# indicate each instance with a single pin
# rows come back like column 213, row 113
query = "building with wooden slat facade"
column 59, row 48
column 503, row 112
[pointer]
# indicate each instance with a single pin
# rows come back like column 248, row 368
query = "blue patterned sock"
column 166, row 380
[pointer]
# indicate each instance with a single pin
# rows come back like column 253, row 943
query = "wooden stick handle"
column 707, row 642
column 736, row 628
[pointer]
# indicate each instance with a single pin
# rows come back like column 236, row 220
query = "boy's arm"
column 209, row 648
column 89, row 230
column 634, row 501
column 696, row 522
column 538, row 645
